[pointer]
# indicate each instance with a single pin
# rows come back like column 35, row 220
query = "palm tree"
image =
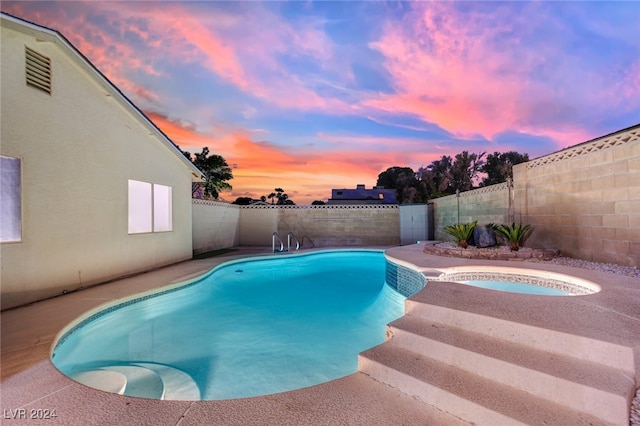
column 279, row 197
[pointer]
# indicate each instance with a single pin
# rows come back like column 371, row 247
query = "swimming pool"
column 248, row 328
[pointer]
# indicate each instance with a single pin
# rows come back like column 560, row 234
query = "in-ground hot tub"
column 518, row 280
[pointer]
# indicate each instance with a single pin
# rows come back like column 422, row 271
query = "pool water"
column 249, row 328
column 513, row 287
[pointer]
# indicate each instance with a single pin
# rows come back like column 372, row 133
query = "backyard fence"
column 218, row 225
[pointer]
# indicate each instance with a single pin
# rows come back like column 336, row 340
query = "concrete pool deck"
column 29, row 381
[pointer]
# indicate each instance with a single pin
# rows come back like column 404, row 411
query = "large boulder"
column 484, row 236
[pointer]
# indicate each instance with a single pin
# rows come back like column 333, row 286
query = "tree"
column 243, row 201
column 272, row 197
column 404, row 181
column 280, row 197
column 216, row 171
column 445, row 176
column 465, row 170
column 499, row 166
column 435, row 179
column 318, row 203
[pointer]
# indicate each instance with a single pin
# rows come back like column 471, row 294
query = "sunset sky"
column 310, row 96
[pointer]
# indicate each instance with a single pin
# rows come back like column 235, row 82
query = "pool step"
column 104, row 380
column 142, row 380
column 178, row 385
column 463, row 350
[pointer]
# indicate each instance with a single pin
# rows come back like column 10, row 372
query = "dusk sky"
column 310, row 96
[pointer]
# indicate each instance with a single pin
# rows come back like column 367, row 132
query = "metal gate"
column 414, row 223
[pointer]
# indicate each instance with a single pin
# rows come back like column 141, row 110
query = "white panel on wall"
column 162, row 208
column 140, row 207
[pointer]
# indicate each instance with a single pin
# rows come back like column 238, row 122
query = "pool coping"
column 29, row 379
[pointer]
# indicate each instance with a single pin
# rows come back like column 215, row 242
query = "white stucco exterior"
column 79, row 146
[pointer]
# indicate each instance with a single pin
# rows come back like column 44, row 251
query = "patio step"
column 467, row 353
column 598, row 390
column 470, row 309
column 472, row 398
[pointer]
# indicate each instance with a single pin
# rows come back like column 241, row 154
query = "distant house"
column 361, row 195
column 92, row 190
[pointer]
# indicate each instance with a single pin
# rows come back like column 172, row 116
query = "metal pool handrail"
column 289, row 236
column 273, row 243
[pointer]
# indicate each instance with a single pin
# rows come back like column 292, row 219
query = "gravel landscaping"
column 528, row 255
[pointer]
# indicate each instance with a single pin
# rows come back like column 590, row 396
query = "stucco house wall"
column 78, row 148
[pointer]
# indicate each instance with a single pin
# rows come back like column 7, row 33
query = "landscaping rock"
column 484, row 236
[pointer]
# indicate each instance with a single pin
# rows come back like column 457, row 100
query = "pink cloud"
column 480, row 71
column 188, row 35
column 146, row 94
column 446, row 70
column 250, row 59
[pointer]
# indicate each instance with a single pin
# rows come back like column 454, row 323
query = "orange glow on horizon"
column 305, row 174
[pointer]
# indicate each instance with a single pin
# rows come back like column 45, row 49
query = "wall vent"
column 38, row 70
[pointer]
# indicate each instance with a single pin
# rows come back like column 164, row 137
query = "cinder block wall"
column 215, row 225
column 585, row 200
column 330, row 226
column 486, row 205
column 257, row 224
column 220, row 225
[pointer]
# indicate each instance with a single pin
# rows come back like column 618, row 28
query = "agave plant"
column 514, row 234
column 462, row 232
